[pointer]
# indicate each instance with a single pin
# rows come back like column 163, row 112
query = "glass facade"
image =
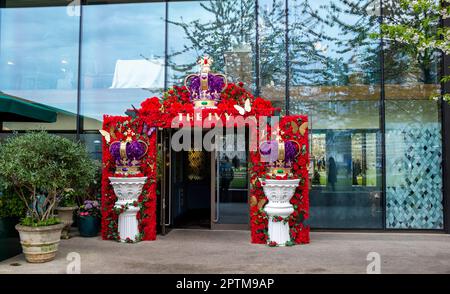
column 122, row 58
column 39, row 61
column 375, row 139
column 335, row 79
column 414, row 196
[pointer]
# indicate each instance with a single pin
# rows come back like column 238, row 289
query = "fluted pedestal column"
column 128, row 191
column 279, row 194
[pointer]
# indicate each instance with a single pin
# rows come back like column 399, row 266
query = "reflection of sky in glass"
column 112, row 33
column 328, row 42
column 39, row 55
column 184, row 12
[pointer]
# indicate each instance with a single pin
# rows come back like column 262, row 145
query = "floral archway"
column 176, row 104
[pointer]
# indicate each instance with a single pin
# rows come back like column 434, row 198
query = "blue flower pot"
column 89, row 226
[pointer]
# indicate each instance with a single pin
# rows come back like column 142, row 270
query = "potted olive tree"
column 39, row 167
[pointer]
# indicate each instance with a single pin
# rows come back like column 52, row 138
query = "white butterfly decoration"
column 247, row 107
column 106, row 135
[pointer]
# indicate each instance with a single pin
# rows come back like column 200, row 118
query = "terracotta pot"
column 65, row 214
column 40, row 244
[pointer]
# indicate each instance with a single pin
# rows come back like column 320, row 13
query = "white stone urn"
column 128, row 191
column 279, row 194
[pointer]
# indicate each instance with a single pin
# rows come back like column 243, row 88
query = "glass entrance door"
column 229, row 205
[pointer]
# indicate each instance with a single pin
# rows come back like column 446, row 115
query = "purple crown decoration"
column 279, row 155
column 205, row 87
column 127, row 155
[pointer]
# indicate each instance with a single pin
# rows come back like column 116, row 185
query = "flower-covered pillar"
column 293, row 128
column 117, row 128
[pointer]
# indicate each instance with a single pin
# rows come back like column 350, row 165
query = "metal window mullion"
column 382, row 111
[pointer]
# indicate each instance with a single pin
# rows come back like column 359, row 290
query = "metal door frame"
column 166, row 181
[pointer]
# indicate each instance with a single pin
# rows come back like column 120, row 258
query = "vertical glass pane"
column 272, row 52
column 413, row 131
column 335, row 78
column 232, row 180
column 122, row 58
column 225, row 30
column 413, row 165
column 93, row 143
column 39, row 62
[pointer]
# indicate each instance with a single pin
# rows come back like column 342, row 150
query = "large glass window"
column 225, row 30
column 272, row 51
column 122, row 58
column 413, row 132
column 335, row 79
column 39, row 62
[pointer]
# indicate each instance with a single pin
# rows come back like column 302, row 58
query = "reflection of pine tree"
column 232, row 23
column 272, row 43
column 335, row 47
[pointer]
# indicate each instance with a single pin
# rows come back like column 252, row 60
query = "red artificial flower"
column 272, row 244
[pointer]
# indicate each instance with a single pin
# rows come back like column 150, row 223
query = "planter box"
column 9, row 238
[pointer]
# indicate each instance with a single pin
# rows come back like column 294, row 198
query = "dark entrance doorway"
column 191, row 189
column 205, row 190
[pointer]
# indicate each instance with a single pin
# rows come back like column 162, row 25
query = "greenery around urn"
column 39, row 167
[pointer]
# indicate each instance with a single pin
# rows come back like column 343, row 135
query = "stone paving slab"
column 204, row 251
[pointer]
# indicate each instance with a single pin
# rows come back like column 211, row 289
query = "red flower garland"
column 177, row 100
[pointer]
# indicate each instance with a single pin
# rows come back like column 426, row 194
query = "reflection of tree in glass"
column 331, row 43
column 405, row 30
column 272, row 43
column 232, row 24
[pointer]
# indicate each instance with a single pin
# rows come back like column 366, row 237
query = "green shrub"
column 11, row 205
column 93, row 192
column 39, row 166
column 68, row 198
column 30, row 222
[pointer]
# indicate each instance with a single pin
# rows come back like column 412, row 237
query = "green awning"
column 15, row 109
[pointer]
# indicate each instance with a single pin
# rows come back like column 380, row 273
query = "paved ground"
column 202, row 251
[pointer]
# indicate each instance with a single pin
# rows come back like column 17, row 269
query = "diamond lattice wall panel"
column 414, row 178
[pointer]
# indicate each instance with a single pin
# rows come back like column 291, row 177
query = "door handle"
column 216, row 219
column 170, row 178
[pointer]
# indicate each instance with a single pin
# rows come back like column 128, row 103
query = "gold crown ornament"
column 205, row 87
column 279, row 154
column 127, row 155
